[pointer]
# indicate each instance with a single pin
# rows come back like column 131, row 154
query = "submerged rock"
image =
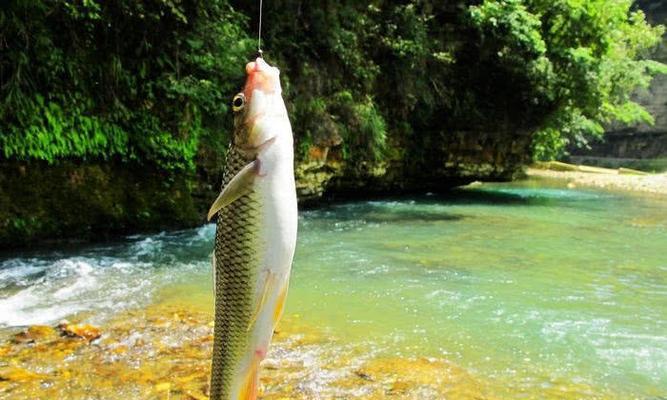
column 84, row 331
column 16, row 374
column 35, row 333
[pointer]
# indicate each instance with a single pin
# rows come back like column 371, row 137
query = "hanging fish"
column 255, row 235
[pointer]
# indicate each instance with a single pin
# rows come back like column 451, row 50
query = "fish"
column 256, row 234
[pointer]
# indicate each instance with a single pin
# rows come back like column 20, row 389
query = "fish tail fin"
column 250, row 385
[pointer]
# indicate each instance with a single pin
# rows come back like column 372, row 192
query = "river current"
column 525, row 284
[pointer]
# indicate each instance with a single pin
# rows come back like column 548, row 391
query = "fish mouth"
column 258, row 65
column 261, row 76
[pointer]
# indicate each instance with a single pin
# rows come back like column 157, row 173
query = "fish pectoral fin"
column 263, row 296
column 240, row 185
column 262, row 147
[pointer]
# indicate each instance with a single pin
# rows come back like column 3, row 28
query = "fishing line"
column 259, row 31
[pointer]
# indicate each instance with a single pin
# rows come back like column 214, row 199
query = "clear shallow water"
column 524, row 284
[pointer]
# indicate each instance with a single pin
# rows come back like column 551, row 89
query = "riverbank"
column 163, row 352
column 603, row 178
column 502, row 291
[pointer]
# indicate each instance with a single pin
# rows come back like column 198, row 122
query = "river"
column 529, row 288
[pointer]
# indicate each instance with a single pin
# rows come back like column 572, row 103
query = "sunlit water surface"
column 525, row 284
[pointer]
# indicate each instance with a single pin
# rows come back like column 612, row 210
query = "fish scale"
column 236, row 256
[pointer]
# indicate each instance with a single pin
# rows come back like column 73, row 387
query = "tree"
column 584, row 57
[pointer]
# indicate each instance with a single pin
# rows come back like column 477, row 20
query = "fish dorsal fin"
column 240, row 185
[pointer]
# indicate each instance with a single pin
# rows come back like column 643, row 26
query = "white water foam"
column 56, row 294
column 105, row 280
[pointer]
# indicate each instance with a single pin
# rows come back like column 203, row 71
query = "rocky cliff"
column 84, row 201
column 457, row 158
column 390, row 97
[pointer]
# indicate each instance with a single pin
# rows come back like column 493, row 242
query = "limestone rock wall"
column 458, row 158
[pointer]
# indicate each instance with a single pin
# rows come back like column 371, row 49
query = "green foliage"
column 48, row 133
column 365, row 130
column 140, row 81
column 314, row 120
column 558, row 70
column 589, row 56
column 150, row 80
column 512, row 23
column 357, row 123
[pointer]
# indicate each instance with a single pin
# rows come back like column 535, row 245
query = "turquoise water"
column 530, row 285
column 527, row 284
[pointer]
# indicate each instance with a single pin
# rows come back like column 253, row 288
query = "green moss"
column 139, row 82
column 89, row 201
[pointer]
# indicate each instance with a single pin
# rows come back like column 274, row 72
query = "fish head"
column 259, row 107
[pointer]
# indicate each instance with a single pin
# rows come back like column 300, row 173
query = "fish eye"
column 238, row 102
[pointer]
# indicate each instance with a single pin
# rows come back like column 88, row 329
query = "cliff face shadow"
column 410, row 216
column 375, row 213
column 451, row 196
column 442, row 206
column 488, row 197
column 524, row 196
